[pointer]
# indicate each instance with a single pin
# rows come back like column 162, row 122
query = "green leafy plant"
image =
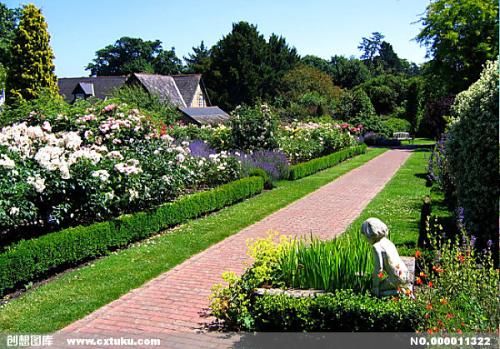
column 342, row 263
column 458, row 287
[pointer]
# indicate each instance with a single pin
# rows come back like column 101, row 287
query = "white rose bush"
column 58, row 170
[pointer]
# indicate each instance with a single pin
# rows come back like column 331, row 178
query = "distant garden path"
column 177, row 300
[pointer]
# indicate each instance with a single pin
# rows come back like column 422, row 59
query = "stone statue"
column 391, row 272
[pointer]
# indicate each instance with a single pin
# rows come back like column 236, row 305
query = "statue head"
column 374, row 229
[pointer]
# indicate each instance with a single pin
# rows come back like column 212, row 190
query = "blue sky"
column 319, row 27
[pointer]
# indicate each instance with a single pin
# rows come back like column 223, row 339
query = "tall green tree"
column 199, row 61
column 134, row 55
column 370, row 47
column 348, row 72
column 460, row 36
column 31, row 69
column 9, row 19
column 318, row 63
column 281, row 58
column 245, row 67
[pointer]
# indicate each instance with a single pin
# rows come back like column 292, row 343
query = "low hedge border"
column 341, row 311
column 315, row 165
column 30, row 260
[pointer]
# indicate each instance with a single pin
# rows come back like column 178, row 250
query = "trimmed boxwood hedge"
column 30, row 260
column 343, row 310
column 315, row 165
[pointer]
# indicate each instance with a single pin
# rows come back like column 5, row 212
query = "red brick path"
column 177, row 300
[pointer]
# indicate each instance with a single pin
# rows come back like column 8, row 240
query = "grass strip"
column 399, row 203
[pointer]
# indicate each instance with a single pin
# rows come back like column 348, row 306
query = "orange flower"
column 459, row 331
column 449, row 315
column 380, row 275
column 460, row 257
column 444, row 301
column 428, row 306
column 408, row 292
column 418, row 254
column 419, row 281
column 429, row 331
column 430, row 283
column 422, row 274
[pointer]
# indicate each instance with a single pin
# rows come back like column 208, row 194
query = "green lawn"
column 399, row 203
column 81, row 291
column 419, row 141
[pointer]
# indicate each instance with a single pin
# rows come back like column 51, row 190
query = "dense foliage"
column 460, row 37
column 31, row 68
column 245, row 67
column 472, row 154
column 134, row 55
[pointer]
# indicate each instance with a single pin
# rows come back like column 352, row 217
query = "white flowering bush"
column 253, row 128
column 57, row 170
column 305, row 141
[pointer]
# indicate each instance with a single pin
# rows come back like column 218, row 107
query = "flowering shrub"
column 57, row 170
column 472, row 156
column 458, row 288
column 305, row 141
column 253, row 128
column 274, row 162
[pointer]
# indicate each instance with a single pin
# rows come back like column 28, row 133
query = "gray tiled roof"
column 206, row 116
column 187, row 85
column 162, row 85
column 103, row 85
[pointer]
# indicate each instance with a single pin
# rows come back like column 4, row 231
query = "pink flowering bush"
column 109, row 159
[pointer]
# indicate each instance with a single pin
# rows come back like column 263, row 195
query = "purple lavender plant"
column 201, row 149
column 274, row 162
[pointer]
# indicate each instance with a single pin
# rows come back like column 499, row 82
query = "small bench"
column 402, row 136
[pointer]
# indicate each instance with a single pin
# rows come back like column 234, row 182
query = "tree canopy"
column 9, row 19
column 460, row 36
column 199, row 61
column 245, row 67
column 133, row 55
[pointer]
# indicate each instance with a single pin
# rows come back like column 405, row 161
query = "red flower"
column 460, row 257
column 428, row 306
column 427, row 315
column 419, row 281
column 449, row 315
column 459, row 331
column 418, row 254
column 380, row 275
column 430, row 283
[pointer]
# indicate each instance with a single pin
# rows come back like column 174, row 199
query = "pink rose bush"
column 61, row 170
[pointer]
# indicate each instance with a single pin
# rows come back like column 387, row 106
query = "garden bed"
column 30, row 260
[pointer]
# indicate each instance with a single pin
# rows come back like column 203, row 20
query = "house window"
column 201, row 101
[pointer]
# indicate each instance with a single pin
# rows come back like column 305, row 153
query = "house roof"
column 103, row 85
column 206, row 115
column 162, row 85
column 187, row 85
column 87, row 87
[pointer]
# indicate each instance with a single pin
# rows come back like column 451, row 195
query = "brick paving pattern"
column 176, row 302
